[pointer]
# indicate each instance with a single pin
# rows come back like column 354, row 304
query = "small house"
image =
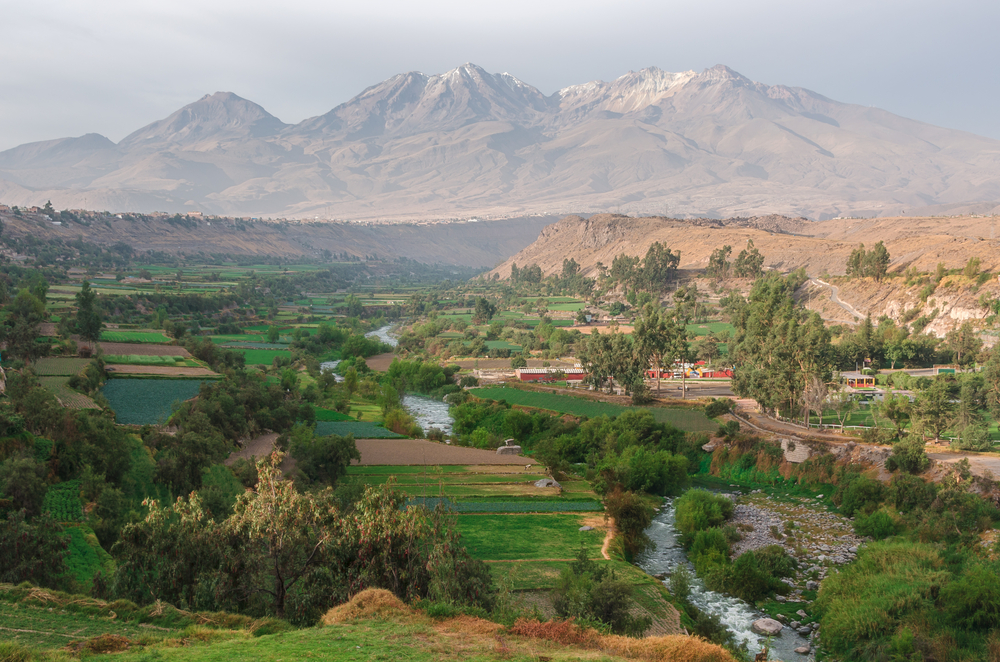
column 859, row 380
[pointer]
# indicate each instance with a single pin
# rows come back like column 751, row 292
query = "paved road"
column 833, row 297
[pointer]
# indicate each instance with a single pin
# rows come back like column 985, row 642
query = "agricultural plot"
column 131, row 349
column 326, row 415
column 689, row 420
column 147, row 401
column 140, row 359
column 510, row 537
column 360, row 430
column 59, row 387
column 59, row 366
column 154, row 337
column 700, row 330
column 428, row 453
column 532, row 506
column 264, row 356
column 62, row 501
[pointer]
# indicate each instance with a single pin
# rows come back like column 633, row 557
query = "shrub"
column 718, row 407
column 973, row 599
column 860, row 494
column 750, row 578
column 698, row 510
column 709, row 549
column 632, row 517
column 908, row 455
column 878, row 525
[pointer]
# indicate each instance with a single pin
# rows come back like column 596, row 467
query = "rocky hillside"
column 470, row 143
column 787, row 243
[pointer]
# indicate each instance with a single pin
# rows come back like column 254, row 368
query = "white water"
column 735, row 614
column 430, row 413
column 382, row 333
column 332, row 367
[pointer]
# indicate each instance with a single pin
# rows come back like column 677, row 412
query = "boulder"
column 812, row 585
column 545, row 482
column 803, row 650
column 587, row 528
column 509, row 450
column 766, row 626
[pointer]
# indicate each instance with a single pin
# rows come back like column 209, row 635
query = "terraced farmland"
column 60, row 366
column 59, row 387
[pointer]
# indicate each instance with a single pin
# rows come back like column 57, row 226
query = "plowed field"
column 421, row 451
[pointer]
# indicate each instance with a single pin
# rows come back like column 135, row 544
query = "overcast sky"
column 77, row 66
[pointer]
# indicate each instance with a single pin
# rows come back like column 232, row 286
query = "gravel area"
column 421, row 451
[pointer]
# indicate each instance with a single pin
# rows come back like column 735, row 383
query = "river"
column 735, row 614
column 430, row 413
column 382, row 333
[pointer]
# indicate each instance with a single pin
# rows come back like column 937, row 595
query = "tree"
column 655, row 336
column 658, row 268
column 623, row 270
column 484, row 311
column 749, row 263
column 856, row 262
column 991, row 375
column 273, row 334
column 323, row 459
column 896, row 409
column 22, row 483
column 718, row 263
column 876, row 262
column 934, row 408
column 32, row 551
column 20, row 329
column 843, row 405
column 353, row 306
column 708, row 349
column 964, row 343
column 88, row 318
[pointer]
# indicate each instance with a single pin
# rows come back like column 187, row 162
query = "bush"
column 632, row 517
column 973, row 599
column 709, row 550
column 859, row 495
column 698, row 510
column 908, row 455
column 751, row 578
column 878, row 525
column 974, row 438
column 718, row 407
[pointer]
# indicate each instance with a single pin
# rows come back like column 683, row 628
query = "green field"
column 263, row 356
column 147, row 401
column 531, row 537
column 135, row 336
column 59, row 366
column 360, row 430
column 331, row 416
column 699, row 330
column 689, row 420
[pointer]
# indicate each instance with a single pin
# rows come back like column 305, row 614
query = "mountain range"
column 471, row 143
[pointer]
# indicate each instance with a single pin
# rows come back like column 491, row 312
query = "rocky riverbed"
column 820, row 541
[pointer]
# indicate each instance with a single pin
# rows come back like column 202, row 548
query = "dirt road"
column 833, row 297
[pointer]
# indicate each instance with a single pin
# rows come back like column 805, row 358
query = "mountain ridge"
column 471, row 143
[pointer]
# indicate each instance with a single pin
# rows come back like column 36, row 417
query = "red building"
column 550, row 374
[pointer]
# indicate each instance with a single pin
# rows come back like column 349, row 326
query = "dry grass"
column 672, row 648
column 369, row 603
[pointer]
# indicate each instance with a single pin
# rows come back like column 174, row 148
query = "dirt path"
column 766, row 424
column 258, row 447
column 833, row 297
column 607, row 539
column 980, row 462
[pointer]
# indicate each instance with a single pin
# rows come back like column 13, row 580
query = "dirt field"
column 587, row 330
column 170, row 371
column 143, row 349
column 380, row 362
column 421, row 451
column 259, row 447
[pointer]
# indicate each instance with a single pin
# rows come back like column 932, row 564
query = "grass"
column 360, row 430
column 700, row 330
column 263, row 356
column 539, row 537
column 689, row 420
column 328, row 415
column 59, row 366
column 141, row 359
column 147, row 401
column 135, row 336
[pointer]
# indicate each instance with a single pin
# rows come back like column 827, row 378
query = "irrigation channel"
column 734, row 613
